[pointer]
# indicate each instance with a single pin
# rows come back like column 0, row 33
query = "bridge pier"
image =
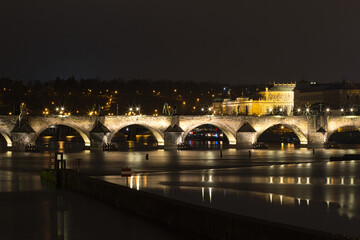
column 97, row 140
column 316, row 140
column 245, row 140
column 20, row 140
column 99, row 136
column 173, row 135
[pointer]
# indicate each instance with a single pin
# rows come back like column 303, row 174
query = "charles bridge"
column 241, row 131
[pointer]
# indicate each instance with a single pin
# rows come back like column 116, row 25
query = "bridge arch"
column 82, row 133
column 228, row 133
column 330, row 133
column 302, row 137
column 7, row 139
column 157, row 133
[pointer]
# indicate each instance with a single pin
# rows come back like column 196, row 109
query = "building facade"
column 329, row 95
column 279, row 99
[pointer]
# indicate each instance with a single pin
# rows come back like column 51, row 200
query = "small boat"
column 345, row 157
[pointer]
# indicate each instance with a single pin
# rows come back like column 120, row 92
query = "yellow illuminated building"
column 279, row 99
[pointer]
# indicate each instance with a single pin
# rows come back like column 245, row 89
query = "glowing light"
column 298, row 109
column 137, row 182
column 281, row 180
column 210, row 194
column 131, row 181
column 210, row 178
column 307, row 110
column 203, row 194
column 271, row 180
column 328, row 109
column 328, row 180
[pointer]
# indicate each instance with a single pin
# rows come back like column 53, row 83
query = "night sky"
column 230, row 41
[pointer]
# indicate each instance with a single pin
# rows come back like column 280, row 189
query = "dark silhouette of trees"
column 113, row 96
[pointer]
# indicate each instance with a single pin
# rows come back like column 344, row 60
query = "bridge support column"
column 20, row 140
column 172, row 137
column 316, row 140
column 97, row 140
column 245, row 140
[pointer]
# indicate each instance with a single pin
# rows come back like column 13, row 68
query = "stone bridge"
column 241, row 131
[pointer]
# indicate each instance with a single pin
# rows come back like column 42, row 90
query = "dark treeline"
column 80, row 97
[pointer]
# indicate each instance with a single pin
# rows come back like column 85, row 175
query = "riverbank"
column 203, row 221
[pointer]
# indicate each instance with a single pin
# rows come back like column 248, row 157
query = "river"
column 293, row 186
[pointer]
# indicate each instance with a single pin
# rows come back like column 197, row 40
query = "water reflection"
column 288, row 189
column 293, row 186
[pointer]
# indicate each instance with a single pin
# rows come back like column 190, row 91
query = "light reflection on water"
column 279, row 197
column 291, row 186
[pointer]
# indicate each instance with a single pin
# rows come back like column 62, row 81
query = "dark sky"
column 230, row 41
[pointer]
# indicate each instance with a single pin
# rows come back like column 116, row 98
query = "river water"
column 293, row 186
